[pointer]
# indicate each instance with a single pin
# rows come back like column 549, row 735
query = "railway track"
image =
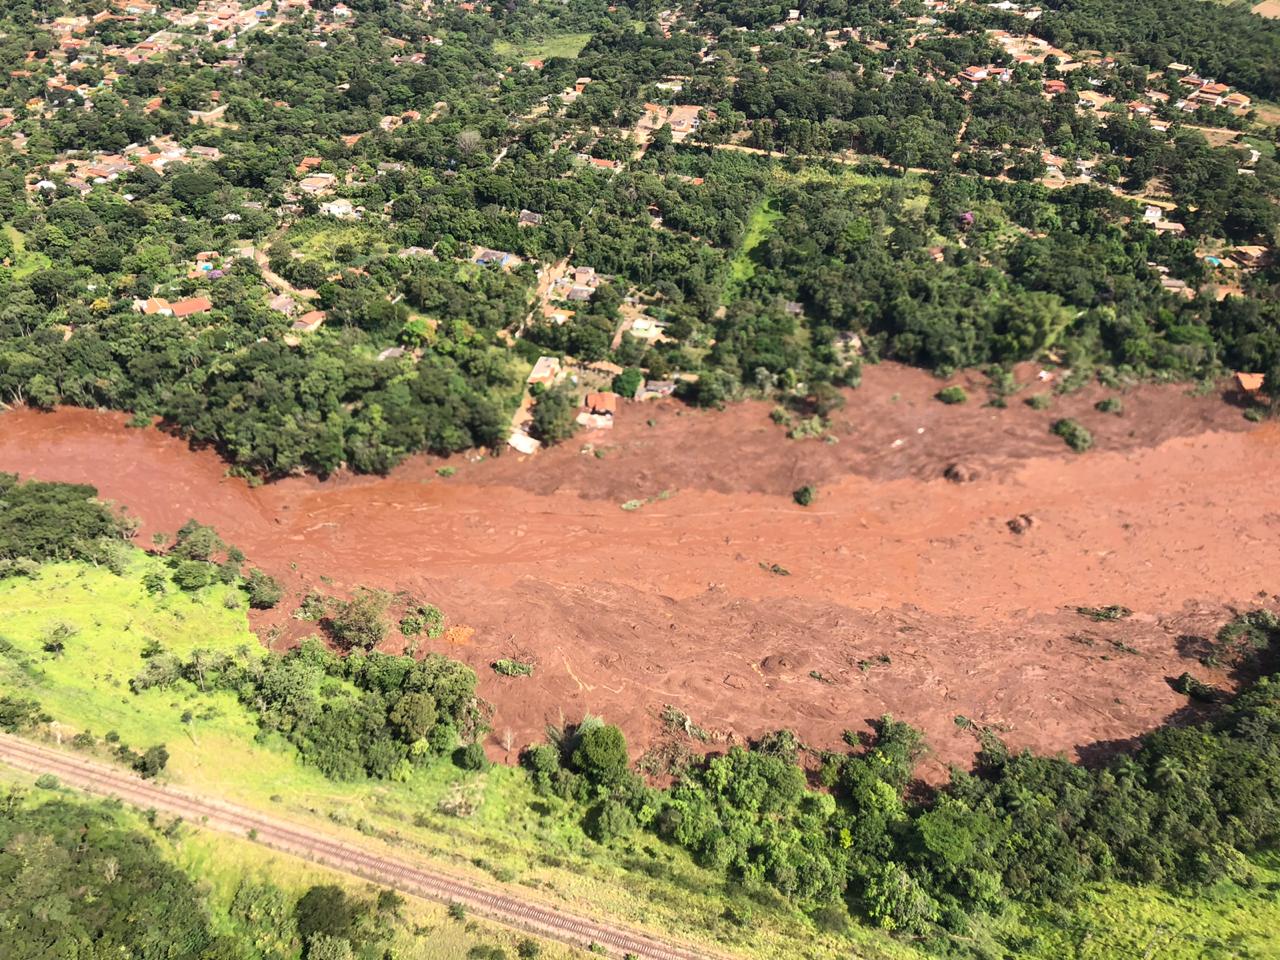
column 542, row 920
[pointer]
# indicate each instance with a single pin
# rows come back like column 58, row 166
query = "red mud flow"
column 903, row 592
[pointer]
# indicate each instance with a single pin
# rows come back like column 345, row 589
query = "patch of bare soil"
column 899, row 590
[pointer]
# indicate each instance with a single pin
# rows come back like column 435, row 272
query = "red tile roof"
column 185, row 308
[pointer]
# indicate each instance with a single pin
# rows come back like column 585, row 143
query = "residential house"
column 546, row 371
column 309, row 322
column 192, row 306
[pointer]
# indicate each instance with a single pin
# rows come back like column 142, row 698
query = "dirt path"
column 303, row 841
column 903, row 593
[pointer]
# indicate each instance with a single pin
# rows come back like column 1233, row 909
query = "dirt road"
column 537, row 918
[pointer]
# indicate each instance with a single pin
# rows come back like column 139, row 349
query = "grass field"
column 1225, row 922
column 562, row 45
column 25, row 262
column 759, row 225
column 498, row 828
column 319, row 239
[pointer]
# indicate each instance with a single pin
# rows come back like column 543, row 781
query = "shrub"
column 805, row 495
column 152, row 761
column 359, row 623
column 16, row 714
column 512, row 668
column 1040, row 401
column 554, row 416
column 952, row 395
column 1110, row 405
column 601, row 754
column 1076, row 436
column 264, row 590
column 608, row 820
column 471, row 757
column 628, row 382
column 193, row 574
column 47, row 781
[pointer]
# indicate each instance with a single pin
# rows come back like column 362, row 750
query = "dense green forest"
column 427, row 137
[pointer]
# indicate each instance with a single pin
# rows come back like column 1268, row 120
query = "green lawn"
column 561, row 45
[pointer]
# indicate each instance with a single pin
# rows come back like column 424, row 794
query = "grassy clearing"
column 759, row 225
column 561, row 45
column 320, row 240
column 25, row 262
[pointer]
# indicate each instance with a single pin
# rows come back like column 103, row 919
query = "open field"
column 563, row 45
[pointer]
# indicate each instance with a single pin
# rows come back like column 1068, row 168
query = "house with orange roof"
column 192, row 306
column 309, row 322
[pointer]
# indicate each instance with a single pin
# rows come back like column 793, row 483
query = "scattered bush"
column 359, row 623
column 1076, row 436
column 420, row 618
column 471, row 757
column 952, row 395
column 805, row 495
column 1040, row 401
column 1110, row 405
column 512, row 668
column 264, row 590
column 1100, row 614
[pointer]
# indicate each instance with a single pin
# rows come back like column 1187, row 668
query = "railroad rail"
column 540, row 919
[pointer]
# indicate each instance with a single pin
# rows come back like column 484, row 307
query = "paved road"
column 536, row 918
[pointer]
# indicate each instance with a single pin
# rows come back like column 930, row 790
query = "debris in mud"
column 512, row 668
column 678, row 721
column 1021, row 523
column 822, row 677
column 961, row 473
column 774, row 568
column 1112, row 612
column 776, row 663
column 1197, row 690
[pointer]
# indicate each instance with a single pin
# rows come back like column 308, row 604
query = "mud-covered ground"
column 903, row 592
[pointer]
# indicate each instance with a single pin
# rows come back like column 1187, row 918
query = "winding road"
column 540, row 919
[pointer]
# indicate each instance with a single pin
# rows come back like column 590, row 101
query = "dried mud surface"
column 903, row 592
